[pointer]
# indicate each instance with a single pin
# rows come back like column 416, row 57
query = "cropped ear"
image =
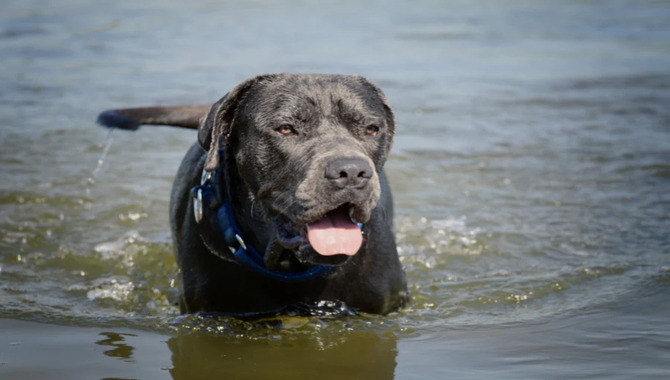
column 220, row 119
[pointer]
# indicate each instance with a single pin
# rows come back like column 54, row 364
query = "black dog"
column 283, row 200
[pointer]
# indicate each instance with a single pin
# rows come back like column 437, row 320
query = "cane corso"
column 282, row 200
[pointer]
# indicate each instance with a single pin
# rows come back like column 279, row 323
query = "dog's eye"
column 285, row 129
column 371, row 130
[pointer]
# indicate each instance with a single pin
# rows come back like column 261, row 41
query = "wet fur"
column 278, row 179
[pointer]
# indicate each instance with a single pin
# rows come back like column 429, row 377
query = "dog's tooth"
column 352, row 214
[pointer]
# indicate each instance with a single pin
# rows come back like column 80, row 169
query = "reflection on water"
column 360, row 345
column 352, row 355
column 530, row 175
column 120, row 350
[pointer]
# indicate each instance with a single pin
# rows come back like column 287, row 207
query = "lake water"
column 531, row 175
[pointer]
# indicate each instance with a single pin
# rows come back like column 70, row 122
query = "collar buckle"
column 197, row 206
column 241, row 241
column 205, row 177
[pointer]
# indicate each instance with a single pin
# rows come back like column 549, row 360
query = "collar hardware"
column 197, row 206
column 209, row 198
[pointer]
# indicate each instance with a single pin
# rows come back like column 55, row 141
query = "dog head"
column 307, row 150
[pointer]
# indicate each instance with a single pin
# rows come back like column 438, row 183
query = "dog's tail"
column 187, row 116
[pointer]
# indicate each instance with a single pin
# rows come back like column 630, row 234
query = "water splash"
column 101, row 160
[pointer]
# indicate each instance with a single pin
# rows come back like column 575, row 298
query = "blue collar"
column 208, row 196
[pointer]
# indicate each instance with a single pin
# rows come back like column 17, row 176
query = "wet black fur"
column 279, row 179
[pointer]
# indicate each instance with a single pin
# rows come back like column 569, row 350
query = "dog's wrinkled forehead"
column 306, row 98
column 269, row 98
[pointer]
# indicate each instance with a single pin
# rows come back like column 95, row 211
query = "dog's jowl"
column 282, row 201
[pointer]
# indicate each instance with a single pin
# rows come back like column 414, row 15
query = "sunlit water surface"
column 531, row 176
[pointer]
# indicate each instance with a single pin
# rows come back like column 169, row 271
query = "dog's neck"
column 213, row 203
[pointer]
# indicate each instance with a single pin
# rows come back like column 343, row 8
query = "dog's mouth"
column 337, row 232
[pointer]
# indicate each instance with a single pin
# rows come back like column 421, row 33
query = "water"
column 531, row 174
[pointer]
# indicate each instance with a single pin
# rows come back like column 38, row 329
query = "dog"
column 283, row 200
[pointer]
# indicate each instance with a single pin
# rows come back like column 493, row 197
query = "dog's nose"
column 349, row 172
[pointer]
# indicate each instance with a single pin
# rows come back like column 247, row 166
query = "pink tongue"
column 335, row 234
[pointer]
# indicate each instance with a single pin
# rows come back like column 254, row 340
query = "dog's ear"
column 218, row 122
column 388, row 113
